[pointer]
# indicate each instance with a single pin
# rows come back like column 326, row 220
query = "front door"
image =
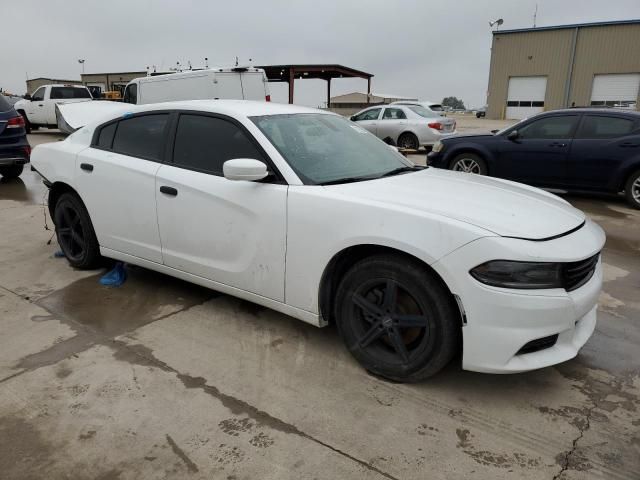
column 368, row 119
column 116, row 180
column 231, row 232
column 601, row 145
column 36, row 109
column 538, row 155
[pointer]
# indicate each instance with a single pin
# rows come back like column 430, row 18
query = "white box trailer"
column 241, row 83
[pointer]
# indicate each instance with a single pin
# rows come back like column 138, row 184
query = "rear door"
column 539, row 154
column 392, row 124
column 253, row 86
column 602, row 144
column 116, row 180
column 368, row 119
column 228, row 85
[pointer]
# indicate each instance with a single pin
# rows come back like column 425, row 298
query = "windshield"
column 423, row 112
column 324, row 148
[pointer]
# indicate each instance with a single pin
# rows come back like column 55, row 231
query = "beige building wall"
column 602, row 50
column 544, row 53
column 598, row 50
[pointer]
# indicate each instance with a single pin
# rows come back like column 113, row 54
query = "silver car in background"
column 405, row 126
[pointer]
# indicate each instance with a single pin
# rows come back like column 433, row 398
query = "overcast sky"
column 422, row 48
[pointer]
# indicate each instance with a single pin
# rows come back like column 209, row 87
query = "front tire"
column 11, row 171
column 408, row 141
column 632, row 190
column 469, row 163
column 75, row 233
column 396, row 318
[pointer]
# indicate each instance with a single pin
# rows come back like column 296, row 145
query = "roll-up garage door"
column 615, row 90
column 525, row 96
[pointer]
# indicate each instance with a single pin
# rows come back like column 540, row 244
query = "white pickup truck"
column 238, row 83
column 39, row 109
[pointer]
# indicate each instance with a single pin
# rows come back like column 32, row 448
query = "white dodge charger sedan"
column 304, row 212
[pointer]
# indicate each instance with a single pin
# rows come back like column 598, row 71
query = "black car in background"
column 586, row 149
column 14, row 147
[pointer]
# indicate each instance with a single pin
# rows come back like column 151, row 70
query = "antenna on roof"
column 535, row 16
column 206, row 62
column 236, row 61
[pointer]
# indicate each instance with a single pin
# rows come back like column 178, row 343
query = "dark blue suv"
column 14, row 147
column 587, row 149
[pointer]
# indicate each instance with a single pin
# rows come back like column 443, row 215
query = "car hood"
column 505, row 208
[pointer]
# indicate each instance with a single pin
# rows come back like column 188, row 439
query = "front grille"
column 538, row 344
column 576, row 274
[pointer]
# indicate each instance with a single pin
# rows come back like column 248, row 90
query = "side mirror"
column 494, row 131
column 247, row 169
column 513, row 135
column 27, row 97
column 352, row 118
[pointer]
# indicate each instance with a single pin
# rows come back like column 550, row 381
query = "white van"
column 237, row 83
column 214, row 83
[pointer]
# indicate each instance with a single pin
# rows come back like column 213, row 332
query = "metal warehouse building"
column 545, row 68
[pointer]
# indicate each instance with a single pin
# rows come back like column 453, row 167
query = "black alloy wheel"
column 396, row 318
column 75, row 232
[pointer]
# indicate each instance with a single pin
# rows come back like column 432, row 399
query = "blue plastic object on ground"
column 115, row 277
column 58, row 254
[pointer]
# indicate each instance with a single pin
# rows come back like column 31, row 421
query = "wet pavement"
column 163, row 379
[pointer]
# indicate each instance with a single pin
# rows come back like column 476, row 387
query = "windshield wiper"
column 346, row 180
column 396, row 171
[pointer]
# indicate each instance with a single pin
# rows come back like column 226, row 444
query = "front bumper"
column 500, row 321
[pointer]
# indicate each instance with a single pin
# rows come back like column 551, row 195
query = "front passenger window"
column 204, row 143
column 549, row 128
column 141, row 136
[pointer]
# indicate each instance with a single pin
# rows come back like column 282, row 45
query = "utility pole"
column 81, row 62
column 535, row 16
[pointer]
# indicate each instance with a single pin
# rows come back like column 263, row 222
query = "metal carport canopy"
column 289, row 73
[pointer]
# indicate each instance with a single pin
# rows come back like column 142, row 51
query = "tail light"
column 267, row 98
column 15, row 122
column 27, row 151
column 435, row 125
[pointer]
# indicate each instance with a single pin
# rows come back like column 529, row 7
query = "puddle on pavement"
column 25, row 188
column 145, row 297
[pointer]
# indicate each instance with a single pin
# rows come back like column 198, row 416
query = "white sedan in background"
column 406, row 126
column 304, row 212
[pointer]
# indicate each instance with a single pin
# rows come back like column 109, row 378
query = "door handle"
column 40, row 105
column 87, row 167
column 557, row 144
column 628, row 145
column 168, row 190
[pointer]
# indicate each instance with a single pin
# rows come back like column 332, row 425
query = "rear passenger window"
column 205, row 143
column 141, row 136
column 597, row 126
column 105, row 139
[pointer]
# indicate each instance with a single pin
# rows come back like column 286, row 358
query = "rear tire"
column 11, row 171
column 469, row 163
column 75, row 233
column 397, row 318
column 409, row 141
column 632, row 190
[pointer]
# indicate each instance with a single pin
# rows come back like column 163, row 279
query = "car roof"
column 247, row 108
column 607, row 110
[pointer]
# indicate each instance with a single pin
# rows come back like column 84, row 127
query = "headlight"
column 512, row 274
column 437, row 147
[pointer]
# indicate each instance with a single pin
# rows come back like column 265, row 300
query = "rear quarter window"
column 4, row 104
column 141, row 137
column 58, row 93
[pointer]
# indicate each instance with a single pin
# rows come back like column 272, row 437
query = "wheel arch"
column 484, row 155
column 340, row 263
column 410, row 132
column 56, row 190
column 625, row 173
